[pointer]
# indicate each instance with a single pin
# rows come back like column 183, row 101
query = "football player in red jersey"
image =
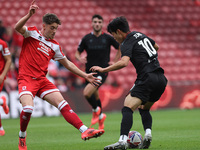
column 5, row 61
column 38, row 48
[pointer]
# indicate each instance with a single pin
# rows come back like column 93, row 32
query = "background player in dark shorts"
column 149, row 85
column 97, row 46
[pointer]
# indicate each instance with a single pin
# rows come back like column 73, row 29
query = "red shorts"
column 35, row 87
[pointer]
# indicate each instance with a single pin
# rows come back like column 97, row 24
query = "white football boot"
column 120, row 145
column 146, row 141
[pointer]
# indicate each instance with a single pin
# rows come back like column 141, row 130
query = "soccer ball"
column 134, row 139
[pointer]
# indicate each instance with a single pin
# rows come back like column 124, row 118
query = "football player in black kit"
column 149, row 85
column 97, row 45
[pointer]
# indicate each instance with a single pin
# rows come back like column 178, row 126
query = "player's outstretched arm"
column 19, row 26
column 118, row 65
column 74, row 69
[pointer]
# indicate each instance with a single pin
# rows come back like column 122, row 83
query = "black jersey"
column 143, row 55
column 97, row 49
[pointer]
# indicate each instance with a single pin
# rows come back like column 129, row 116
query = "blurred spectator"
column 11, row 80
column 197, row 2
column 15, row 58
column 50, row 78
column 17, row 41
column 53, row 68
column 78, row 83
column 8, row 36
column 61, row 85
column 2, row 29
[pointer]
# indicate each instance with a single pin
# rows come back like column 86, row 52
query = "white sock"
column 83, row 128
column 1, row 128
column 62, row 104
column 95, row 110
column 22, row 134
column 1, row 101
column 148, row 131
column 123, row 138
column 100, row 116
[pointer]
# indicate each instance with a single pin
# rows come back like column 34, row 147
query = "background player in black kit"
column 149, row 85
column 97, row 46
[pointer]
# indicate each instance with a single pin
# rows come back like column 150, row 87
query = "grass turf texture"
column 172, row 130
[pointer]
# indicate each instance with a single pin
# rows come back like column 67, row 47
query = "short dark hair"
column 97, row 16
column 51, row 18
column 120, row 23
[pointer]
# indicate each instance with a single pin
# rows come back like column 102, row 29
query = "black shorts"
column 150, row 87
column 101, row 76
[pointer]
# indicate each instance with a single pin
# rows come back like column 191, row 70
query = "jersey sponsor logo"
column 45, row 49
column 23, row 88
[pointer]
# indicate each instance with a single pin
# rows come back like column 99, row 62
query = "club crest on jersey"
column 23, row 88
column 45, row 49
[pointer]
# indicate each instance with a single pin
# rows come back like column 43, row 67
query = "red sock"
column 25, row 117
column 70, row 116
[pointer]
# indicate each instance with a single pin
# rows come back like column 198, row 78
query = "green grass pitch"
column 172, row 130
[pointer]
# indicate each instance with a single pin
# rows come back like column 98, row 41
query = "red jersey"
column 36, row 53
column 4, row 51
